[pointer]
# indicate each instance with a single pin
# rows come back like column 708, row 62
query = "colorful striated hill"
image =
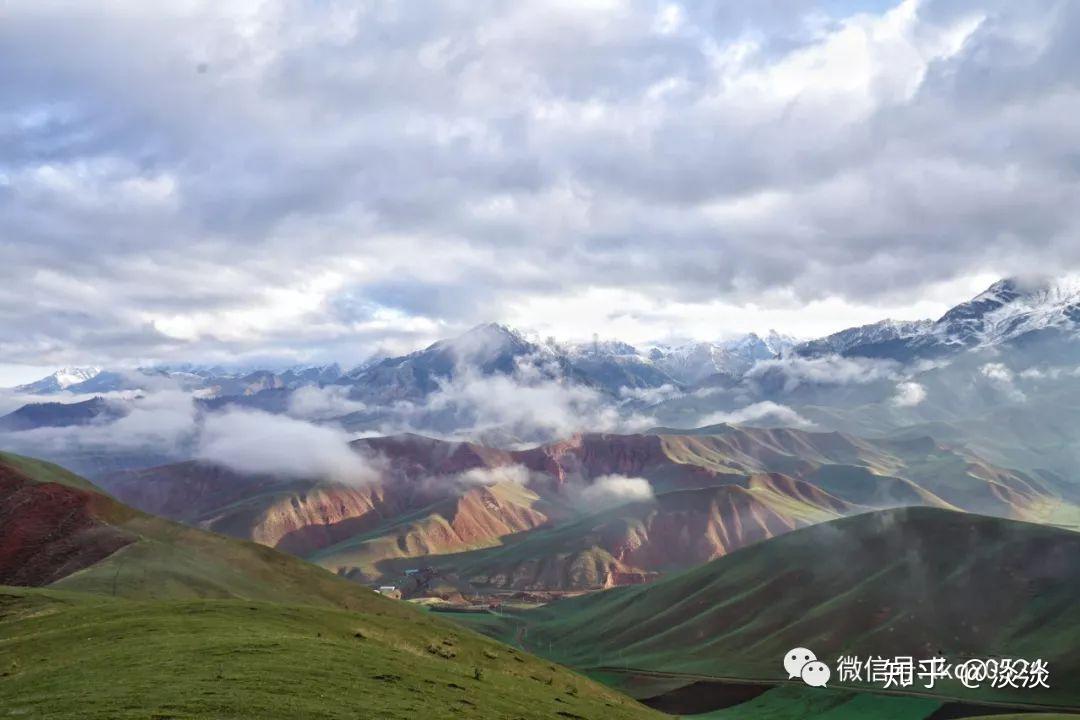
column 120, row 614
column 516, row 519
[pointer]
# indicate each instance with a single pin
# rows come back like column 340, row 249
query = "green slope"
column 915, row 581
column 162, row 559
column 182, row 623
column 74, row 655
column 804, row 703
column 41, row 471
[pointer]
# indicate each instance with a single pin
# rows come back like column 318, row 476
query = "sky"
column 310, row 180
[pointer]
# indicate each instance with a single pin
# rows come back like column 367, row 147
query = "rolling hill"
column 675, row 530
column 134, row 616
column 513, row 519
column 914, row 581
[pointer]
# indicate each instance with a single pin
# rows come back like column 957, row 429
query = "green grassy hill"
column 181, row 623
column 914, row 581
column 54, row 518
column 76, row 655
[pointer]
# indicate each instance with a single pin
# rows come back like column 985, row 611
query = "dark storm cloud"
column 304, row 179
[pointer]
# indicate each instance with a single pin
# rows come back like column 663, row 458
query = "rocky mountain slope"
column 1012, row 310
column 570, row 514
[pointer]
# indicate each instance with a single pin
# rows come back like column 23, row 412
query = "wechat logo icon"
column 802, row 663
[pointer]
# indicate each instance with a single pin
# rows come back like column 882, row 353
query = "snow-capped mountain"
column 1009, row 310
column 62, row 379
column 693, row 362
column 608, row 365
column 302, row 375
column 484, row 350
column 876, row 335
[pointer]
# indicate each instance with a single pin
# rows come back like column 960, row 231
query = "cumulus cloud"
column 319, row 179
column 608, row 491
column 908, row 394
column 161, row 423
column 259, row 443
column 1002, row 377
column 528, row 405
column 762, row 413
column 827, row 370
column 997, row 372
column 11, row 399
column 322, row 403
column 1049, row 373
column 515, row 474
column 650, row 395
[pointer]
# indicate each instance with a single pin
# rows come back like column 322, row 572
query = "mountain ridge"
column 436, row 499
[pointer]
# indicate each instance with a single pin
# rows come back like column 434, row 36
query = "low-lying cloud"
column 260, row 443
column 608, row 491
column 160, row 423
column 515, row 474
column 1002, row 378
column 908, row 394
column 650, row 395
column 827, row 370
column 765, row 412
column 322, row 403
column 533, row 404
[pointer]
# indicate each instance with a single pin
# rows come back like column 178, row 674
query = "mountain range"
column 95, row 594
column 1008, row 353
column 142, row 594
column 610, row 366
column 1010, row 312
column 901, row 488
column 911, row 582
column 575, row 514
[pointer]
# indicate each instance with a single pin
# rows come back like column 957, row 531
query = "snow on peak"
column 60, row 380
column 1010, row 308
column 66, row 377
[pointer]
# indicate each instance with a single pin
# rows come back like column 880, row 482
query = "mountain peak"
column 60, row 380
column 483, row 339
column 1038, row 288
column 482, row 346
column 1012, row 307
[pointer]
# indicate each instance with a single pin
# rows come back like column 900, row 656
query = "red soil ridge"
column 48, row 530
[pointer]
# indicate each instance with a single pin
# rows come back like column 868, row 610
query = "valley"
column 504, row 565
column 711, row 491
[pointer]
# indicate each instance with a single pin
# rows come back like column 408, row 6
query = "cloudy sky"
column 315, row 180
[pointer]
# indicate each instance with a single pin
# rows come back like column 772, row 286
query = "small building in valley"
column 389, row 591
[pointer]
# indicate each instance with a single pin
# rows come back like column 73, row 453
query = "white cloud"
column 161, row 422
column 1002, row 377
column 259, row 443
column 322, row 403
column 515, row 474
column 908, row 394
column 650, row 395
column 532, row 404
column 827, row 370
column 297, row 179
column 766, row 412
column 997, row 372
column 1049, row 373
column 608, row 491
